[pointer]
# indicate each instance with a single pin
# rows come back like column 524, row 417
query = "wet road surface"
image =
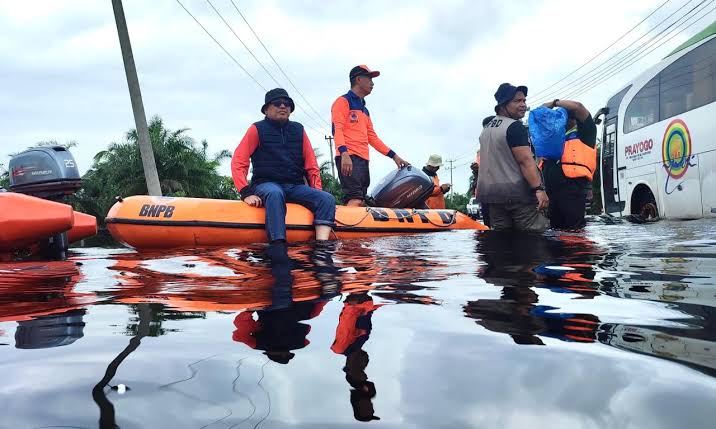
column 611, row 327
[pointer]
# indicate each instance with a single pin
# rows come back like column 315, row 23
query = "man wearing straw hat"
column 437, row 198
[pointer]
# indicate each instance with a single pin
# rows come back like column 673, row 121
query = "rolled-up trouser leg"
column 321, row 203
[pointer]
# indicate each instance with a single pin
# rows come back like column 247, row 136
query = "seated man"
column 437, row 198
column 282, row 159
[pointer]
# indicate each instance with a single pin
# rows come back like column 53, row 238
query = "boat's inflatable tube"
column 25, row 220
column 146, row 222
column 85, row 226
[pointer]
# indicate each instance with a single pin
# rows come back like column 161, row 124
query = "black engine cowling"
column 407, row 187
column 45, row 172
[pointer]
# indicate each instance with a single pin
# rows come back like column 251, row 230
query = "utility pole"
column 140, row 119
column 451, row 168
column 330, row 154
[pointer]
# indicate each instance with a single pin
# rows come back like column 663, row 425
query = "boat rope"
column 412, row 213
column 367, row 212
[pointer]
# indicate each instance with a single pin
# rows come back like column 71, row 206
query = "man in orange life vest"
column 568, row 180
column 437, row 198
column 353, row 132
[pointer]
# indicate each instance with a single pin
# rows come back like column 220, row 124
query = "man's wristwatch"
column 538, row 188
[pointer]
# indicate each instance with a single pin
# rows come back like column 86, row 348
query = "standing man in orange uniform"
column 353, row 132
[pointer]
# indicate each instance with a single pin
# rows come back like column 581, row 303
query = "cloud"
column 441, row 63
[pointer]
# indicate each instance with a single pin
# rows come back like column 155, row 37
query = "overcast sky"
column 62, row 77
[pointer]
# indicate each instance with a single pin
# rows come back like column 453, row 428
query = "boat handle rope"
column 412, row 213
column 367, row 212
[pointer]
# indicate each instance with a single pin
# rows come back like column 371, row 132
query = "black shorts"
column 355, row 186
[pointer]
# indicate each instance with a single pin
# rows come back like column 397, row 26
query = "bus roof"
column 701, row 35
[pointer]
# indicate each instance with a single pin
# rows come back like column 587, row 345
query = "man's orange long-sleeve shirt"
column 353, row 129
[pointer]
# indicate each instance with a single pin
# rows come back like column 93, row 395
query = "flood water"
column 611, row 327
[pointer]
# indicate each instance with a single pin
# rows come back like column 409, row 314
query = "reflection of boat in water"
column 146, row 222
column 697, row 353
column 40, row 297
column 232, row 280
column 50, row 331
column 29, row 290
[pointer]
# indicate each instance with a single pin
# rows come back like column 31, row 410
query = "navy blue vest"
column 279, row 156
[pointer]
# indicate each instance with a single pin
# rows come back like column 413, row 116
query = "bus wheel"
column 644, row 204
column 649, row 211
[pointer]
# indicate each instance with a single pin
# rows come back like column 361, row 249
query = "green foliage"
column 330, row 184
column 4, row 177
column 185, row 170
column 455, row 201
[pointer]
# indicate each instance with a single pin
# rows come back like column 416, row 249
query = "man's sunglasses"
column 281, row 102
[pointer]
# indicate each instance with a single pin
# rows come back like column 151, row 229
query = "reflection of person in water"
column 354, row 327
column 516, row 262
column 278, row 329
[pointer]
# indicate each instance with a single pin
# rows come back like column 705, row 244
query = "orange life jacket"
column 437, row 199
column 578, row 159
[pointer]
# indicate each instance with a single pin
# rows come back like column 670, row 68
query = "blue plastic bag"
column 547, row 128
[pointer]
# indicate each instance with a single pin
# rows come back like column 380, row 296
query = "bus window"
column 643, row 109
column 689, row 82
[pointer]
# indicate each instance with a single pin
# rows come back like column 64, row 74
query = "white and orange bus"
column 659, row 137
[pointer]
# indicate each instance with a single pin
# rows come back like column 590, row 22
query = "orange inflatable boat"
column 146, row 222
column 26, row 220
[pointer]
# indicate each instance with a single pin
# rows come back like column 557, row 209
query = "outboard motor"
column 407, row 187
column 50, row 173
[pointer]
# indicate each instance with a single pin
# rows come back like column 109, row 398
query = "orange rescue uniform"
column 578, row 159
column 437, row 198
column 353, row 129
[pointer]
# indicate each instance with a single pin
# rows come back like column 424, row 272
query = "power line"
column 221, row 46
column 235, row 60
column 277, row 64
column 254, row 56
column 597, row 70
column 601, row 52
column 638, row 52
column 643, row 55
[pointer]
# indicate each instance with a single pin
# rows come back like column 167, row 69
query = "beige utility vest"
column 500, row 180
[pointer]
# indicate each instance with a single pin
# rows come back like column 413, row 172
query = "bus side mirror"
column 603, row 111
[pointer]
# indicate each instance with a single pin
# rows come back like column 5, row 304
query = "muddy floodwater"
column 612, row 327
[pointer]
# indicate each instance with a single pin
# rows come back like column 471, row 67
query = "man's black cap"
column 273, row 95
column 506, row 92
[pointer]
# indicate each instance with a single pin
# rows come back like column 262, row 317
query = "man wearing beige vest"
column 509, row 180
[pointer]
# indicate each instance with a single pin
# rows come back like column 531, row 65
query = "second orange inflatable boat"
column 146, row 222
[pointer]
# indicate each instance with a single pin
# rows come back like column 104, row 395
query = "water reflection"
column 573, row 265
column 354, row 328
column 277, row 329
column 310, row 335
column 50, row 331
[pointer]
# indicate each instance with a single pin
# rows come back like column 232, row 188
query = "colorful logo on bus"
column 676, row 149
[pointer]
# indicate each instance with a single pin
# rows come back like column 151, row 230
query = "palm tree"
column 184, row 170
